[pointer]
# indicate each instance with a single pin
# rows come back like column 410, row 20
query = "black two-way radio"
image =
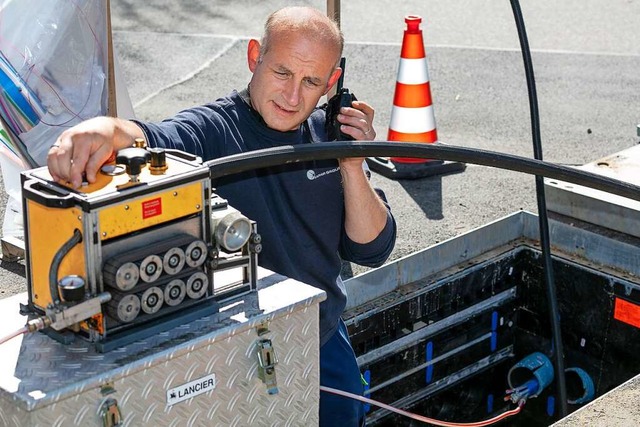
column 342, row 98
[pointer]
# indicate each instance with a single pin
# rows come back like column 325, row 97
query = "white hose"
column 20, row 331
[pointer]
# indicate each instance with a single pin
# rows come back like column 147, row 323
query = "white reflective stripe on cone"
column 412, row 120
column 413, row 71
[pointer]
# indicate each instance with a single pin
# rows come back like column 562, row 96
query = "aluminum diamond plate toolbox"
column 254, row 363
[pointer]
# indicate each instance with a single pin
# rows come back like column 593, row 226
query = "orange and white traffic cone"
column 412, row 116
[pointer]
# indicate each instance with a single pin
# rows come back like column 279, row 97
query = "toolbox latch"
column 110, row 413
column 267, row 361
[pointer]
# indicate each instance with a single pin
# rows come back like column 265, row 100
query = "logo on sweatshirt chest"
column 313, row 175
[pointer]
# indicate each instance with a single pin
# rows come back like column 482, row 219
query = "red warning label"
column 627, row 312
column 151, row 208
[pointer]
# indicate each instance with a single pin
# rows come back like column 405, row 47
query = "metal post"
column 112, row 109
column 333, row 11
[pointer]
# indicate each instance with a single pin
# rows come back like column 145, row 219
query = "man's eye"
column 282, row 74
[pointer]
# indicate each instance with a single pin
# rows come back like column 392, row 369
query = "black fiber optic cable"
column 285, row 154
column 545, row 244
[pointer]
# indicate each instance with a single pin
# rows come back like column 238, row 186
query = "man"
column 310, row 215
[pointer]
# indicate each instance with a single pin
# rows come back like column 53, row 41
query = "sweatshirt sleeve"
column 196, row 131
column 374, row 253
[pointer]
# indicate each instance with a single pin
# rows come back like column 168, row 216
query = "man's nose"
column 292, row 93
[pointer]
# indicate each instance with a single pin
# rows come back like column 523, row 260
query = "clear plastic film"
column 53, row 75
column 53, row 56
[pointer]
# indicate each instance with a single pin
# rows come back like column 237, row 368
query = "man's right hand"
column 85, row 147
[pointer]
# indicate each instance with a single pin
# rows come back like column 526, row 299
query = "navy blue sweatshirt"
column 299, row 208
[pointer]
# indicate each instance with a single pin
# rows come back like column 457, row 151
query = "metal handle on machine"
column 110, row 413
column 47, row 194
column 267, row 361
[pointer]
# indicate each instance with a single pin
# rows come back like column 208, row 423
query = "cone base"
column 393, row 170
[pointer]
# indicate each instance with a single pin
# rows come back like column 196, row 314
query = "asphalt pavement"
column 586, row 57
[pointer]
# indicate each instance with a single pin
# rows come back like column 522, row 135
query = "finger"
column 365, row 108
column 59, row 161
column 52, row 164
column 353, row 117
column 352, row 112
column 87, row 159
column 351, row 131
column 76, row 173
column 96, row 160
column 358, row 133
column 63, row 164
column 357, row 126
column 363, row 113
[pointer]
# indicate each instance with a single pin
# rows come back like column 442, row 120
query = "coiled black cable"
column 545, row 245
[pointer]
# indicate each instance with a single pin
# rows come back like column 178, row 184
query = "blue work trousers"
column 339, row 370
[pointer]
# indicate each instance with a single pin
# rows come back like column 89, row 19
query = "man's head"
column 294, row 65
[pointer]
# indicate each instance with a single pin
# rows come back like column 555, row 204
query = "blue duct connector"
column 535, row 371
column 586, row 386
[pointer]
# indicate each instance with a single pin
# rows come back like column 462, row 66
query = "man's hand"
column 87, row 146
column 357, row 122
column 365, row 214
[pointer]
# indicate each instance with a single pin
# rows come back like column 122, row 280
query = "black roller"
column 196, row 253
column 151, row 300
column 123, row 276
column 150, row 268
column 174, row 292
column 173, row 261
column 197, row 285
column 124, row 308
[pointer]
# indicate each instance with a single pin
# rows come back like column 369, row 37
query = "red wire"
column 420, row 417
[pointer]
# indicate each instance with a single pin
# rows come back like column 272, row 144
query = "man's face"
column 290, row 79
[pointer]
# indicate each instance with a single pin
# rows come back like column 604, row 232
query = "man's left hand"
column 357, row 121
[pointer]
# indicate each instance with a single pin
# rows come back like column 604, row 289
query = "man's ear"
column 253, row 54
column 333, row 79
